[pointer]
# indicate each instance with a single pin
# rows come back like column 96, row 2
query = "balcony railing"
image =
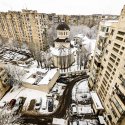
column 120, row 94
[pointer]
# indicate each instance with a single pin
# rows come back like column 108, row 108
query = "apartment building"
column 4, row 86
column 26, row 26
column 107, row 72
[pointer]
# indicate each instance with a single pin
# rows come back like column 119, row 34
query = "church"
column 62, row 52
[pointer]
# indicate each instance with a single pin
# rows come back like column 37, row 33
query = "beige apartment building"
column 26, row 26
column 107, row 71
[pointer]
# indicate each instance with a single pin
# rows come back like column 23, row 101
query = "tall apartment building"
column 107, row 72
column 26, row 26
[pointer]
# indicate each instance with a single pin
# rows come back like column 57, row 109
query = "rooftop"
column 38, row 76
column 62, row 26
column 96, row 100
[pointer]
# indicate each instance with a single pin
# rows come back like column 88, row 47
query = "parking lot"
column 16, row 57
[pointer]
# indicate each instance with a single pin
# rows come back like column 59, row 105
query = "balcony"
column 120, row 94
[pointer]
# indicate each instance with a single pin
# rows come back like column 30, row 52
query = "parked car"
column 12, row 103
column 2, row 104
column 73, row 109
column 17, row 105
column 38, row 104
column 44, row 103
column 50, row 105
column 75, row 123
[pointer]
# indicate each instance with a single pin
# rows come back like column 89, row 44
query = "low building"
column 41, row 79
column 57, row 121
column 97, row 105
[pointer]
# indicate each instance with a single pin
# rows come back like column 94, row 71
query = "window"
column 104, row 59
column 112, row 59
column 118, row 59
column 121, row 33
column 109, row 41
column 107, row 51
column 121, row 53
column 110, row 65
column 119, row 38
column 123, row 48
column 116, row 45
column 112, row 32
column 116, row 63
column 112, row 55
column 116, row 50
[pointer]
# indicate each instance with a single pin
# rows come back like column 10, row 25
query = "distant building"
column 26, row 26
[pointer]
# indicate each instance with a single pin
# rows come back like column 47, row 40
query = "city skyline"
column 75, row 7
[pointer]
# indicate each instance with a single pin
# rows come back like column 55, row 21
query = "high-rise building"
column 107, row 72
column 26, row 26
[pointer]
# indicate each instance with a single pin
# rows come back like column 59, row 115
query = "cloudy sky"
column 65, row 6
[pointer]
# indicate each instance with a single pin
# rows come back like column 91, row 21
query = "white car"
column 73, row 109
column 2, row 104
column 38, row 104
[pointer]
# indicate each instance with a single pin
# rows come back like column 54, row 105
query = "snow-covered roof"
column 85, row 109
column 79, row 36
column 50, row 74
column 96, row 100
column 57, row 121
column 39, row 76
column 61, row 51
column 108, row 22
column 101, row 120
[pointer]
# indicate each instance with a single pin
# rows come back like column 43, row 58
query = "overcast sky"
column 65, row 6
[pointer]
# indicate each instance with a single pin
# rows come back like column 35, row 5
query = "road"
column 64, row 102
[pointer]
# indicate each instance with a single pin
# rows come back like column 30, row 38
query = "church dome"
column 62, row 26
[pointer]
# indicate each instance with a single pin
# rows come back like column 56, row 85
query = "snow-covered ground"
column 80, row 90
column 28, row 94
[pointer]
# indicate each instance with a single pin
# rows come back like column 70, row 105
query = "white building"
column 62, row 53
column 41, row 79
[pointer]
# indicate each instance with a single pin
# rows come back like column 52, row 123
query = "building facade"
column 26, row 26
column 62, row 53
column 107, row 72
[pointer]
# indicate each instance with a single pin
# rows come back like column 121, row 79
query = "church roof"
column 66, row 40
column 62, row 26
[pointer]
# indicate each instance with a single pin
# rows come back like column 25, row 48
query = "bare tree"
column 15, row 75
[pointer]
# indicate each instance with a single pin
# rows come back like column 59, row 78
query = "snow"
column 84, row 109
column 57, row 121
column 101, row 120
column 96, row 100
column 47, row 78
column 41, row 76
column 29, row 94
column 62, row 51
column 109, row 22
column 83, row 86
column 79, row 89
column 89, row 44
